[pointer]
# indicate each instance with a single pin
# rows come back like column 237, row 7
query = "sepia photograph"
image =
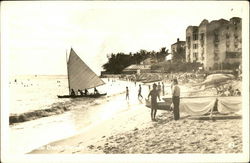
column 124, row 81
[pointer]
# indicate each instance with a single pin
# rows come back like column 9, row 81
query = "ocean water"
column 28, row 93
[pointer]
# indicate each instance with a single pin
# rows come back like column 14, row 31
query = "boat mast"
column 67, row 71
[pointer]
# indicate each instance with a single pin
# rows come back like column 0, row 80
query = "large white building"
column 215, row 44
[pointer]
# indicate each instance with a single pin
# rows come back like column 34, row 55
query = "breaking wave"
column 58, row 108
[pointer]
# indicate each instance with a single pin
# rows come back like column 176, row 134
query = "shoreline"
column 55, row 109
column 134, row 133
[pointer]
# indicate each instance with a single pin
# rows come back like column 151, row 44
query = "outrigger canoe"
column 165, row 104
column 79, row 96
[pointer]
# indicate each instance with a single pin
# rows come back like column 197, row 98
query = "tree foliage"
column 117, row 62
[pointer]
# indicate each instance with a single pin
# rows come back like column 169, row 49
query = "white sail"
column 80, row 75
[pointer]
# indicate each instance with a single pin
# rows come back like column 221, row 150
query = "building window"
column 227, row 45
column 227, row 35
column 195, row 46
column 195, row 36
column 236, row 28
column 236, row 45
column 216, row 45
column 235, row 36
column 188, row 42
column 202, row 36
column 227, row 27
column 216, row 37
column 195, row 56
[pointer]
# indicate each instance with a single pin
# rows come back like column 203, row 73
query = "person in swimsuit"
column 154, row 94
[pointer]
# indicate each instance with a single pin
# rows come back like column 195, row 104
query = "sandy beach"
column 133, row 132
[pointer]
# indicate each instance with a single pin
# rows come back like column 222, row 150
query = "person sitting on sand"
column 72, row 93
column 154, row 94
column 127, row 93
column 80, row 91
column 86, row 92
column 96, row 91
column 139, row 92
column 176, row 99
column 237, row 92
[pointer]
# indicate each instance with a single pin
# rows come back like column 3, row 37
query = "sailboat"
column 81, row 77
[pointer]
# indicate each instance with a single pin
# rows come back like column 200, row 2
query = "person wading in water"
column 154, row 94
column 127, row 93
column 139, row 92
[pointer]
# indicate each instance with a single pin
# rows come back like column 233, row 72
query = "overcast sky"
column 36, row 35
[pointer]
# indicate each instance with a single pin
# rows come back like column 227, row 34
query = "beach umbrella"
column 217, row 78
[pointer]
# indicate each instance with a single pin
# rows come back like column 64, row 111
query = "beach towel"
column 196, row 106
column 229, row 104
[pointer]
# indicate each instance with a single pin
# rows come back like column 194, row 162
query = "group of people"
column 155, row 93
column 86, row 92
column 227, row 91
column 139, row 93
column 175, row 99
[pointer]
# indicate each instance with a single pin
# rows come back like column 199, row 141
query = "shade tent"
column 229, row 104
column 197, row 106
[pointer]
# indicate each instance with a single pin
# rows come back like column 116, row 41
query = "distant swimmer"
column 154, row 94
column 139, row 92
column 127, row 93
column 72, row 93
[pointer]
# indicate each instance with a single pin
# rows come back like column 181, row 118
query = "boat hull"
column 165, row 105
column 80, row 96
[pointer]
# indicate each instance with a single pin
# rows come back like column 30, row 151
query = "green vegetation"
column 117, row 62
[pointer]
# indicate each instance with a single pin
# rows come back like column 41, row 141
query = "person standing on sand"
column 159, row 88
column 154, row 94
column 127, row 93
column 139, row 92
column 163, row 91
column 176, row 99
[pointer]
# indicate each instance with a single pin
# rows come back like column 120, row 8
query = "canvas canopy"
column 196, row 106
column 229, row 104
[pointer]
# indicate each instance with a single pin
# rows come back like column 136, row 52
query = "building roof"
column 179, row 42
column 137, row 67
